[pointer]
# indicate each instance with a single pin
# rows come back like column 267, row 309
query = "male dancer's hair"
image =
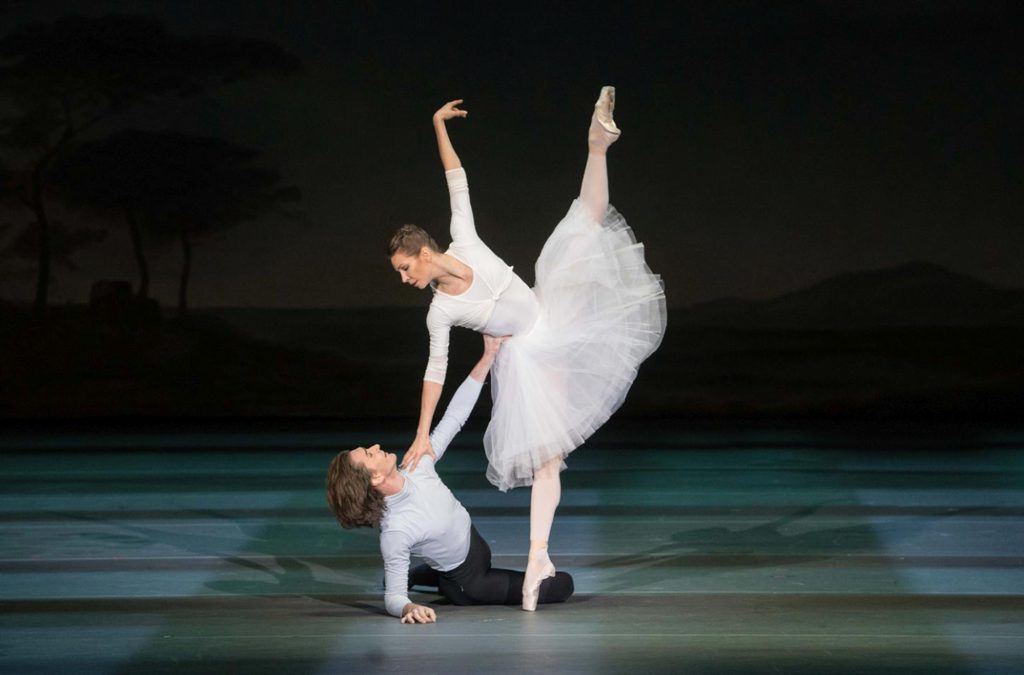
column 410, row 240
column 350, row 494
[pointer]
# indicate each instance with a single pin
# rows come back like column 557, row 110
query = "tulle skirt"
column 602, row 312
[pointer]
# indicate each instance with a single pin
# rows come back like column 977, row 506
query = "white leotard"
column 497, row 302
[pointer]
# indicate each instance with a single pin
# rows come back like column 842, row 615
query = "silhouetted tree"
column 213, row 186
column 114, row 178
column 173, row 187
column 8, row 198
column 8, row 185
column 65, row 242
column 64, row 77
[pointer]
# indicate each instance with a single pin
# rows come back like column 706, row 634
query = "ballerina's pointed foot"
column 538, row 569
column 603, row 131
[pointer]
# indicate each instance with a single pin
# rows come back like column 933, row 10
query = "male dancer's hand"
column 413, row 613
column 483, row 366
column 492, row 344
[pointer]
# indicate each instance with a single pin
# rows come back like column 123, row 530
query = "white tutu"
column 602, row 312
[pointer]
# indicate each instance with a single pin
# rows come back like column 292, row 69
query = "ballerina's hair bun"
column 409, row 239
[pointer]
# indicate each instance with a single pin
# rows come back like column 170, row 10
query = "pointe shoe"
column 603, row 131
column 538, row 569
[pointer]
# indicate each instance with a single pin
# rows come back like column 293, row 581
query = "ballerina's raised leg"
column 547, row 484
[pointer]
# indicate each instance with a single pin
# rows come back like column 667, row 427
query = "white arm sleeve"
column 395, row 551
column 463, row 228
column 439, row 328
column 455, row 416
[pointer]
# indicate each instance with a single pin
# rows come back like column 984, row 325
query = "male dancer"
column 418, row 515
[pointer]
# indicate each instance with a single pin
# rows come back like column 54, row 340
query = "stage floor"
column 753, row 551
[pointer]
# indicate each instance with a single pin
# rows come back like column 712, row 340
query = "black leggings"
column 475, row 582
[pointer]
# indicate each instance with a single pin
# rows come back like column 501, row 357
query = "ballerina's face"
column 414, row 269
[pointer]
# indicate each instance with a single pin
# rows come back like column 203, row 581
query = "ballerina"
column 576, row 338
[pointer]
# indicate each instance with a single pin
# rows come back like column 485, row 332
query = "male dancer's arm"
column 395, row 546
column 465, row 398
column 395, row 549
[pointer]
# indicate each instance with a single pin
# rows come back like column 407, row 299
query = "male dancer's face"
column 380, row 464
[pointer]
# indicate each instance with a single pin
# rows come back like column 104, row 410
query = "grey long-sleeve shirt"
column 425, row 518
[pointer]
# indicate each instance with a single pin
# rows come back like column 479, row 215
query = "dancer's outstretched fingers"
column 415, row 452
column 449, row 110
column 419, row 614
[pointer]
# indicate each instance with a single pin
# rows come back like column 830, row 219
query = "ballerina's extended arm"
column 444, row 145
column 432, row 390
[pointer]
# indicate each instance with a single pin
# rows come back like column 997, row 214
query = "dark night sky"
column 766, row 146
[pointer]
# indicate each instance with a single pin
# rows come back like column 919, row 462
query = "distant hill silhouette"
column 914, row 294
column 916, row 341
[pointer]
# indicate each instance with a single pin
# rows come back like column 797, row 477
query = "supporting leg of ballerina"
column 544, row 498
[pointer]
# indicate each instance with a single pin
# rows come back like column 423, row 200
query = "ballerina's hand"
column 450, row 110
column 421, row 446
